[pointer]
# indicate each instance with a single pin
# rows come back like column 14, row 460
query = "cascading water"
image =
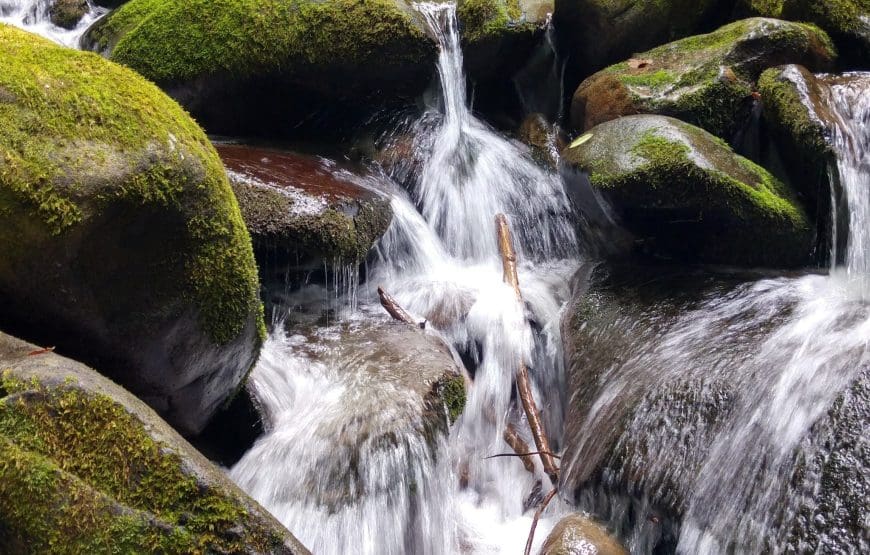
column 441, row 261
column 34, row 16
column 726, row 403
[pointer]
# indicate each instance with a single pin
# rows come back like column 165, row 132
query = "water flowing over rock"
column 85, row 467
column 687, row 196
column 705, row 80
column 121, row 241
column 271, row 66
column 63, row 21
column 303, row 211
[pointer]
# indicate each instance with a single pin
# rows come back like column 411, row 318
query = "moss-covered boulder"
column 595, row 33
column 302, row 211
column 85, row 467
column 577, row 533
column 499, row 36
column 122, row 242
column 246, row 66
column 68, row 13
column 687, row 196
column 705, row 80
column 847, row 21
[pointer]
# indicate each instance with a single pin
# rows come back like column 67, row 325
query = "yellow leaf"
column 580, row 140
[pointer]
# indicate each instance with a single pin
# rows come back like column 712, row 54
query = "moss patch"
column 78, row 474
column 454, row 396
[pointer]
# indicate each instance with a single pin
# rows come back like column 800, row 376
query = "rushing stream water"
column 33, row 15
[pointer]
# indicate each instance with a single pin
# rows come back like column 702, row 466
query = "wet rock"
column 705, row 80
column 68, row 13
column 847, row 21
column 544, row 139
column 122, row 242
column 272, row 67
column 660, row 366
column 499, row 36
column 578, row 534
column 303, row 211
column 596, row 33
column 687, row 196
column 85, row 466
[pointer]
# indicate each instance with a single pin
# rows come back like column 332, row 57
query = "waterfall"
column 34, row 16
column 440, row 260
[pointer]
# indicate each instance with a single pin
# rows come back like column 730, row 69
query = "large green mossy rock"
column 687, row 196
column 848, row 21
column 267, row 65
column 85, row 467
column 706, row 80
column 122, row 242
column 303, row 212
column 596, row 33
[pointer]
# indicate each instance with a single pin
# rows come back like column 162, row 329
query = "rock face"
column 85, row 467
column 544, row 139
column 848, row 21
column 663, row 367
column 267, row 66
column 705, row 80
column 688, row 196
column 68, row 13
column 302, row 211
column 121, row 241
column 577, row 534
column 600, row 32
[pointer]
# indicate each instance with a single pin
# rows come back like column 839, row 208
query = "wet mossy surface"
column 706, row 80
column 689, row 197
column 128, row 204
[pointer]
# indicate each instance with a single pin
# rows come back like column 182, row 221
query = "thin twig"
column 529, row 454
column 535, row 520
column 524, row 385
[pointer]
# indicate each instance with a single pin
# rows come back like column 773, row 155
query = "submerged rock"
column 705, row 80
column 302, row 211
column 578, row 534
column 687, row 196
column 121, row 241
column 543, row 138
column 268, row 66
column 692, row 421
column 848, row 21
column 85, row 467
column 600, row 32
column 68, row 13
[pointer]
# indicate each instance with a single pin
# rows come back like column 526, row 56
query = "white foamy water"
column 440, row 260
column 33, row 16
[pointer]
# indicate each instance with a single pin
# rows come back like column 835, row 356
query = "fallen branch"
column 537, row 517
column 524, row 386
column 520, row 447
column 529, row 454
column 395, row 309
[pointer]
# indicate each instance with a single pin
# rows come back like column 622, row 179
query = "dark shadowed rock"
column 68, row 13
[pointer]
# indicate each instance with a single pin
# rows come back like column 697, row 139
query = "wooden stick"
column 520, row 447
column 524, row 385
column 395, row 309
column 537, row 517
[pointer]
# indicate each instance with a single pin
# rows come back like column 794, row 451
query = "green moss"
column 453, row 394
column 70, row 459
column 74, row 116
column 655, row 79
column 170, row 41
column 840, row 16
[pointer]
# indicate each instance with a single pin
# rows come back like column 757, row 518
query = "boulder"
column 499, row 36
column 543, row 138
column 596, row 33
column 847, row 21
column 687, row 196
column 68, row 13
column 302, row 211
column 705, row 80
column 271, row 66
column 577, row 534
column 86, row 467
column 122, row 242
column 662, row 368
